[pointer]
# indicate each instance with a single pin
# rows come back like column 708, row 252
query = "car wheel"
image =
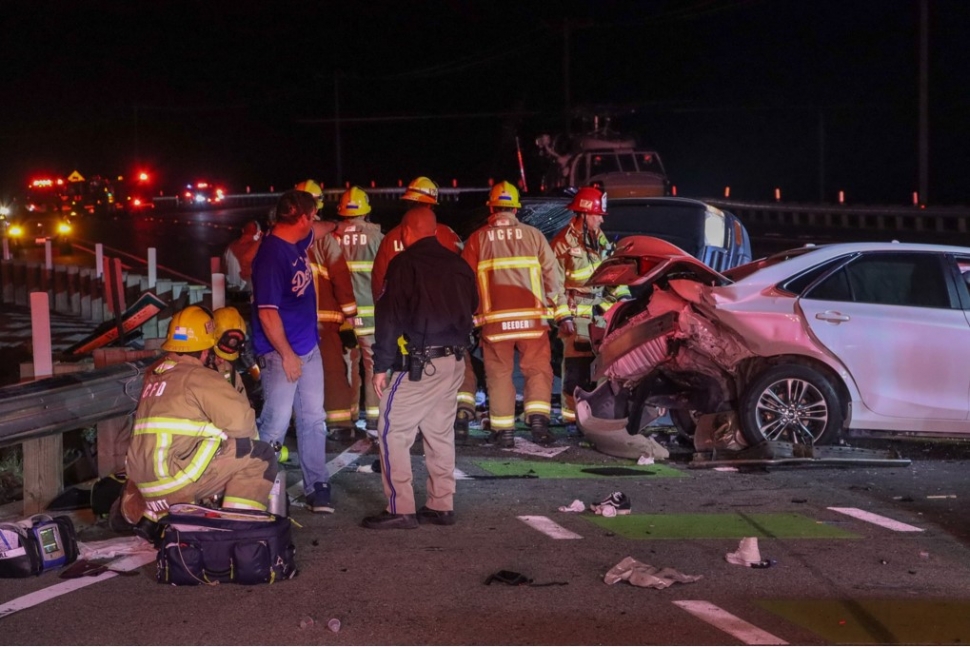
column 793, row 403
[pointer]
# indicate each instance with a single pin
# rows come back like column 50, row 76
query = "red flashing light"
column 143, row 177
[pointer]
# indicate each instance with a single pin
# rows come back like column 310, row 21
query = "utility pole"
column 336, row 126
column 924, row 145
column 821, row 156
column 566, row 91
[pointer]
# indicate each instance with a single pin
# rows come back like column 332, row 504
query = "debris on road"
column 747, row 553
column 575, row 506
column 647, row 576
column 615, row 503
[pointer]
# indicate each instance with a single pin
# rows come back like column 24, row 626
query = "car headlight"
column 63, row 228
column 4, row 211
column 16, row 230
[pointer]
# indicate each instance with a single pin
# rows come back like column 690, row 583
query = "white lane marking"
column 878, row 520
column 461, row 476
column 338, row 463
column 57, row 590
column 728, row 623
column 549, row 527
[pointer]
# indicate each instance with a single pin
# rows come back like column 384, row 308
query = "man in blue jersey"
column 285, row 340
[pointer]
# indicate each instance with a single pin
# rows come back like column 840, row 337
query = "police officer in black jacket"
column 426, row 309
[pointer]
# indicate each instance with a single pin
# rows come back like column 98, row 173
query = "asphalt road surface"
column 835, row 579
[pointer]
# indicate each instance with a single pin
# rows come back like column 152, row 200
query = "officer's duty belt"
column 433, row 352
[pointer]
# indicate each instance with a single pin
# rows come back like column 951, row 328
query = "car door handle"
column 834, row 317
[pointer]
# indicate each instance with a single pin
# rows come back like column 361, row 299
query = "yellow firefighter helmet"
column 504, row 195
column 353, row 203
column 314, row 189
column 422, row 190
column 190, row 330
column 230, row 332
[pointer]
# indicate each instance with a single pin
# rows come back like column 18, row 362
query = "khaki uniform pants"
column 244, row 469
column 430, row 404
column 535, row 356
column 341, row 398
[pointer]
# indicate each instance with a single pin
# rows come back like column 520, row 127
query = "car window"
column 798, row 283
column 900, row 279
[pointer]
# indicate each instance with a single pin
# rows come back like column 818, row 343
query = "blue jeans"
column 304, row 399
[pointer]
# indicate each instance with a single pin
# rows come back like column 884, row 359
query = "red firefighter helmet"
column 589, row 201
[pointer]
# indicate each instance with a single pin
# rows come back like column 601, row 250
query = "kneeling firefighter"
column 194, row 435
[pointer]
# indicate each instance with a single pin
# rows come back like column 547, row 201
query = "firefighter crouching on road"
column 336, row 308
column 520, row 288
column 359, row 240
column 424, row 191
column 580, row 248
column 429, row 300
column 194, row 434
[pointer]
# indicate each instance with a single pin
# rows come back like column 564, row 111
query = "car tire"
column 793, row 403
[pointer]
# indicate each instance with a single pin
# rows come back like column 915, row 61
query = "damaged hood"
column 643, row 260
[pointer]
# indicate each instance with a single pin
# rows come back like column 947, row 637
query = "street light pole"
column 924, row 146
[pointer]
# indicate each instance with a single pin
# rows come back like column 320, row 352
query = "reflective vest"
column 519, row 280
column 332, row 280
column 185, row 412
column 359, row 241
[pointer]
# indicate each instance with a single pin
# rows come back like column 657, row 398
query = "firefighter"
column 194, row 434
column 313, row 188
column 423, row 191
column 520, row 289
column 232, row 356
column 580, row 247
column 359, row 240
column 336, row 309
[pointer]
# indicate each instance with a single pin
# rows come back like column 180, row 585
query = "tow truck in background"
column 602, row 155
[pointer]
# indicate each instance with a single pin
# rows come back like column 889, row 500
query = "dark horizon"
column 740, row 94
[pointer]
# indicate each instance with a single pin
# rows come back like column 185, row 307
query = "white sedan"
column 803, row 346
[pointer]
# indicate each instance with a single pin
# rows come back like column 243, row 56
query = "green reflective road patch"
column 553, row 470
column 879, row 621
column 718, row 526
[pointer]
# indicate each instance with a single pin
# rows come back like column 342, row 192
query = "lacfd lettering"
column 398, row 246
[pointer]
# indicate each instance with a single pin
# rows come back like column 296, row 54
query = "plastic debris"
column 334, row 625
column 306, row 622
column 575, row 506
column 747, row 553
column 645, row 460
column 647, row 576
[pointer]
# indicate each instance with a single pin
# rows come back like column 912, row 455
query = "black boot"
column 462, row 418
column 540, row 430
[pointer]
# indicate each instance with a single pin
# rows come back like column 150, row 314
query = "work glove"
column 347, row 335
column 566, row 328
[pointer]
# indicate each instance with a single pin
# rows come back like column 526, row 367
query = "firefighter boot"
column 462, row 418
column 504, row 438
column 540, row 430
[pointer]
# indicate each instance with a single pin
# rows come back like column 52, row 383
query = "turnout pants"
column 341, row 398
column 430, row 404
column 535, row 357
column 371, row 402
column 243, row 468
column 577, row 362
column 468, row 388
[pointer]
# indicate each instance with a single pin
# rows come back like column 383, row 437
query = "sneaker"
column 619, row 502
column 319, row 499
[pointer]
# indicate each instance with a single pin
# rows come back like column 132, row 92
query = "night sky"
column 730, row 92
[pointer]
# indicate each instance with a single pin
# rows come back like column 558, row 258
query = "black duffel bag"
column 201, row 545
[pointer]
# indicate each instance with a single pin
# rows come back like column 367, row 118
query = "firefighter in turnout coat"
column 520, row 289
column 359, row 239
column 194, row 434
column 580, row 248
